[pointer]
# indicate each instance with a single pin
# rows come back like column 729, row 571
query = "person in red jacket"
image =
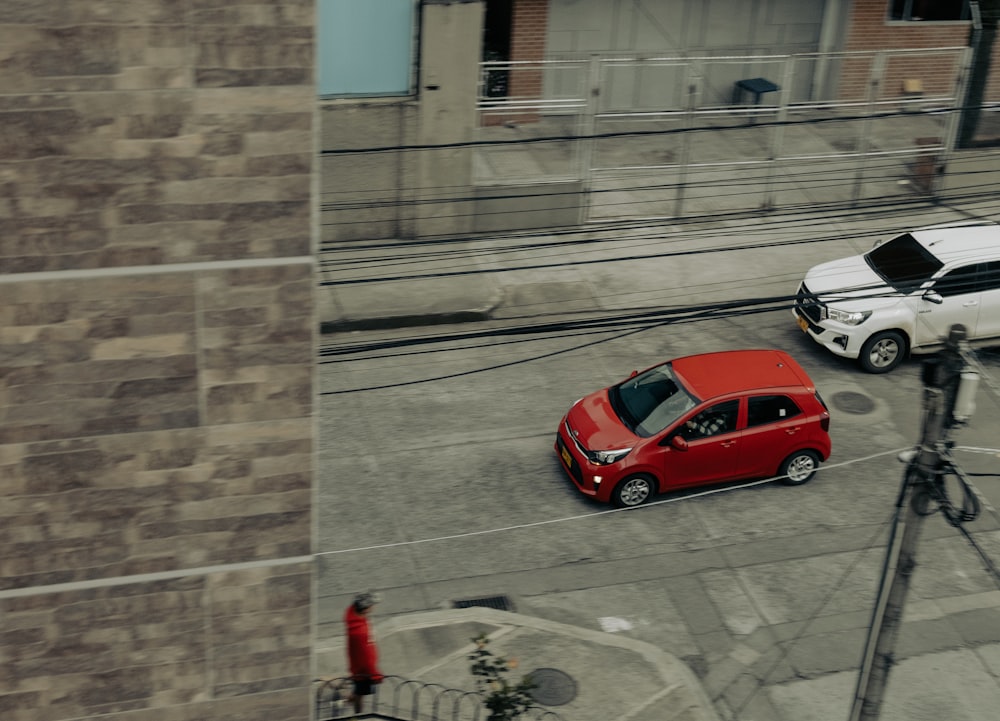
column 362, row 655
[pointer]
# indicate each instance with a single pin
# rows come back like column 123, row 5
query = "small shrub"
column 505, row 699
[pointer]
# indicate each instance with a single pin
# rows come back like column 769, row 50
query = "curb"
column 405, row 321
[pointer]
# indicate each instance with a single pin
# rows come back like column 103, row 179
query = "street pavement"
column 949, row 647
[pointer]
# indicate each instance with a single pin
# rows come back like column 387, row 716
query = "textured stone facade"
column 156, row 359
column 219, row 646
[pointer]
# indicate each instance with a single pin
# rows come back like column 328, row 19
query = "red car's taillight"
column 824, row 422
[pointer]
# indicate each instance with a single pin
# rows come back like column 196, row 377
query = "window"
column 770, row 409
column 649, row 402
column 929, row 10
column 991, row 276
column 713, row 421
column 980, row 277
column 957, row 281
column 365, row 47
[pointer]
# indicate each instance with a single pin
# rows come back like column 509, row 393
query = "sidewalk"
column 374, row 296
column 603, row 676
column 596, row 269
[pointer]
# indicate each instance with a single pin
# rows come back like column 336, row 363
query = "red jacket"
column 361, row 652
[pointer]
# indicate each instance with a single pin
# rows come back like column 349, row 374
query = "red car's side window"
column 770, row 409
column 713, row 421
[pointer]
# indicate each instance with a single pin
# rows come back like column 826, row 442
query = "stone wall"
column 156, row 359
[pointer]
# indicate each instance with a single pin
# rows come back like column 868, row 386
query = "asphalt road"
column 438, row 483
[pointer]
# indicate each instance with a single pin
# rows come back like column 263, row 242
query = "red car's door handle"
column 726, row 444
column 792, row 431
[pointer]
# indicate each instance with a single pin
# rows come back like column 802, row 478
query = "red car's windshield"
column 651, row 401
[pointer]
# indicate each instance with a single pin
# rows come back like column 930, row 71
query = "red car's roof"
column 715, row 374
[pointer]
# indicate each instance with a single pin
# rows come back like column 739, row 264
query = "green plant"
column 505, row 699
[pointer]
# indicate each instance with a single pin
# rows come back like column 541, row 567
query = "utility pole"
column 941, row 376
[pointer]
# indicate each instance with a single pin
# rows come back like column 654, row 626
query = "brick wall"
column 156, row 359
column 528, row 31
column 869, row 29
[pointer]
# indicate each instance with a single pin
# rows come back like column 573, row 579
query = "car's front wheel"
column 633, row 491
column 799, row 468
column 883, row 351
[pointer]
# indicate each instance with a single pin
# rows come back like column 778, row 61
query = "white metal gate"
column 703, row 135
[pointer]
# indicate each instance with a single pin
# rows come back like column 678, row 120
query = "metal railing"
column 611, row 122
column 402, row 699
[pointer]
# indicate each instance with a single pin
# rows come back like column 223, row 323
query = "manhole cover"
column 552, row 686
column 851, row 402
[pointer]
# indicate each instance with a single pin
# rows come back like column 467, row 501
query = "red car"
column 695, row 421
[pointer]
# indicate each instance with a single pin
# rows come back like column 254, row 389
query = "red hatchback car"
column 694, row 421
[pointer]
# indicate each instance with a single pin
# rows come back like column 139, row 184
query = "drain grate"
column 500, row 603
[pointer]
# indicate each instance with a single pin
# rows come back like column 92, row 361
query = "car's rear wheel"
column 799, row 468
column 883, row 351
column 633, row 491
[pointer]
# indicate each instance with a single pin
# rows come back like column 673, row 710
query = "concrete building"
column 564, row 29
column 156, row 359
column 159, row 220
column 661, row 57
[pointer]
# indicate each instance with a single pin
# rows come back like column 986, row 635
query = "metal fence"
column 409, row 700
column 669, row 136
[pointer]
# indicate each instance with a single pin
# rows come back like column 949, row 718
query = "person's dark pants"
column 363, row 687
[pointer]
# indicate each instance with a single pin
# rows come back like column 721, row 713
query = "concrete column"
column 450, row 52
column 831, row 39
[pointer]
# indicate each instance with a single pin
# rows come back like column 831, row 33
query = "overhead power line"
column 755, row 124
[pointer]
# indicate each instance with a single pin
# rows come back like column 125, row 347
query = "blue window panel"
column 365, row 47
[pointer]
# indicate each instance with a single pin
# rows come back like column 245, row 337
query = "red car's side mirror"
column 633, row 374
column 679, row 443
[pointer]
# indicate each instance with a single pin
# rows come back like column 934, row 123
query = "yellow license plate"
column 803, row 323
column 566, row 457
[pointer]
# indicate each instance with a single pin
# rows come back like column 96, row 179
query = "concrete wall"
column 689, row 28
column 367, row 194
column 450, row 51
column 156, row 359
column 526, row 206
